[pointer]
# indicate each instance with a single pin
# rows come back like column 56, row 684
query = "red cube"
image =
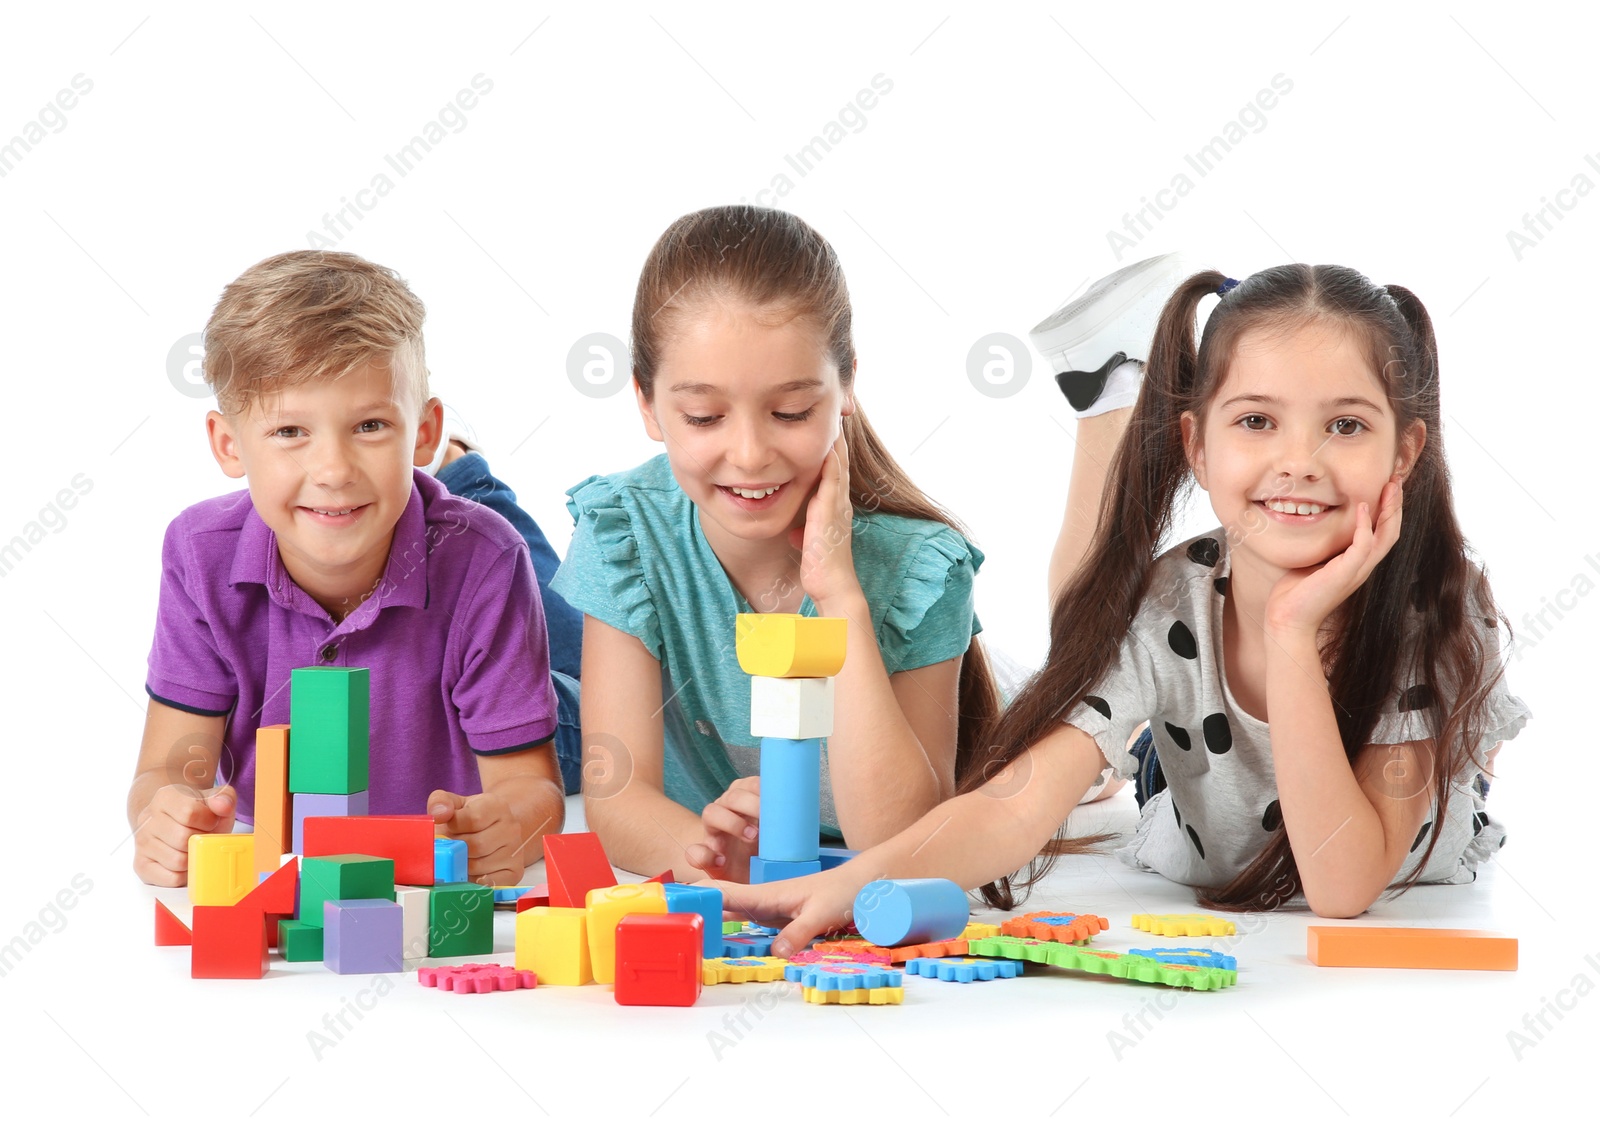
column 229, row 942
column 658, row 959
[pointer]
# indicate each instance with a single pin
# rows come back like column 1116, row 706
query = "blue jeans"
column 1149, row 781
column 470, row 478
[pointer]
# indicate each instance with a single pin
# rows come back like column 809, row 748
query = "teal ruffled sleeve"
column 602, row 574
column 929, row 617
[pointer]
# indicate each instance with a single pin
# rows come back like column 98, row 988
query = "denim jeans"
column 1149, row 781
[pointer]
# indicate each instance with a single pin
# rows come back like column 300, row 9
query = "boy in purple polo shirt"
column 342, row 552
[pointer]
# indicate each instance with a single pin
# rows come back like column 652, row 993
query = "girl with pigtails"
column 1315, row 687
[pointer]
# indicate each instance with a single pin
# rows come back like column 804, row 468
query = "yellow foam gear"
column 1188, row 924
column 750, row 969
column 788, row 645
column 979, row 931
column 876, row 996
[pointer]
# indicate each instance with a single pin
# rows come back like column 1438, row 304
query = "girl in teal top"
column 774, row 495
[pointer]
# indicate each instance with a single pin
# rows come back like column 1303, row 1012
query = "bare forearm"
column 882, row 778
column 538, row 807
column 646, row 832
column 1337, row 837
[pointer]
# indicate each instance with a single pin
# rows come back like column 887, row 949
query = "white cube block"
column 414, row 921
column 791, row 708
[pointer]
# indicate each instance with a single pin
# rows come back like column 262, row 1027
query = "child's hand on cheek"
column 1303, row 599
column 731, row 825
column 486, row 824
column 827, row 567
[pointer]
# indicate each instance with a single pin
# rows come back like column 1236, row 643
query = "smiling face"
column 748, row 407
column 329, row 468
column 1299, row 434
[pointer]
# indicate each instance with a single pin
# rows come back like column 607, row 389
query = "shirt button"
column 329, row 651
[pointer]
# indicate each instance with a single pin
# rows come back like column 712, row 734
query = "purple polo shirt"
column 454, row 636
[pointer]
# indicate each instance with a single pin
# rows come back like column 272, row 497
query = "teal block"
column 344, row 876
column 460, row 920
column 330, row 719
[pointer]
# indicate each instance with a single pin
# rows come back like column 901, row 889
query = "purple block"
column 323, row 806
column 363, row 937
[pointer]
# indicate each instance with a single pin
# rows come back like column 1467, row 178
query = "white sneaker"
column 1112, row 322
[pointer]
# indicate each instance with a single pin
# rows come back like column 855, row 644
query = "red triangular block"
column 536, row 897
column 662, row 878
column 170, row 931
column 574, row 863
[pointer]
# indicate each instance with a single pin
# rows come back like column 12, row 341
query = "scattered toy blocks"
column 658, row 959
column 1186, row 924
column 228, row 942
column 449, row 861
column 300, row 942
column 787, row 645
column 222, row 867
column 575, row 864
column 272, row 810
column 476, row 978
column 705, row 901
column 536, row 897
column 750, row 969
column 304, row 807
column 330, row 718
column 831, row 857
column 363, row 937
column 275, row 896
column 792, row 708
column 606, row 907
column 413, row 904
column 171, row 931
column 964, row 970
column 406, row 839
column 1063, row 927
column 1433, row 949
column 553, row 943
column 343, row 876
column 460, row 920
column 891, row 913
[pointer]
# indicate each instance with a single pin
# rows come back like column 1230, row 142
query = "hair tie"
column 1226, row 286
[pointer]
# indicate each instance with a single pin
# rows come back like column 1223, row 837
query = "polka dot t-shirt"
column 1221, row 803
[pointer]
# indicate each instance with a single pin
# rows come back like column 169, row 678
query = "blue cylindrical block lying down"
column 791, row 799
column 896, row 913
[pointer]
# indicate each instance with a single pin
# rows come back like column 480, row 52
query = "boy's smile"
column 329, row 468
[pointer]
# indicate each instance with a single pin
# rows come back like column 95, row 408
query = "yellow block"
column 606, row 907
column 786, row 644
column 553, row 943
column 222, row 867
column 272, row 809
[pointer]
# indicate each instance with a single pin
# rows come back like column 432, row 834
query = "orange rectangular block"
column 1434, row 949
column 272, row 809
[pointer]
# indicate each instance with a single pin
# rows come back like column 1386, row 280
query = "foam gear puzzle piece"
column 477, row 978
column 330, row 719
column 964, row 970
column 222, row 867
column 449, row 861
column 406, row 839
column 791, row 707
column 789, row 645
column 741, row 946
column 875, row 996
column 171, row 931
column 1433, row 949
column 750, row 969
column 1193, row 956
column 658, row 959
column 460, row 920
column 575, row 864
column 762, row 870
column 308, row 806
column 1063, row 927
column 553, row 943
column 979, row 931
column 299, row 942
column 272, row 810
column 933, row 949
column 344, row 876
column 897, row 913
column 229, row 942
column 1184, row 924
column 363, row 937
column 1135, row 968
column 825, row 953
column 848, row 984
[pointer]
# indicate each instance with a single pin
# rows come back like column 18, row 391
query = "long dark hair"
column 1427, row 571
column 775, row 261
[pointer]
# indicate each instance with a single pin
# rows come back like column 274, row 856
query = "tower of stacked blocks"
column 792, row 661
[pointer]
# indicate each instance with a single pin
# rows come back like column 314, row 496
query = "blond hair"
column 310, row 316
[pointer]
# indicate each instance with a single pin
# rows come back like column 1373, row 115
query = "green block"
column 330, row 719
column 345, row 876
column 460, row 920
column 299, row 942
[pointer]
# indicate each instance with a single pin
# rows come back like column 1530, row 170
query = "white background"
column 976, row 197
